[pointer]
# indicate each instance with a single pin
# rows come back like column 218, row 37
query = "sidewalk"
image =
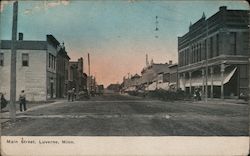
column 223, row 101
column 5, row 115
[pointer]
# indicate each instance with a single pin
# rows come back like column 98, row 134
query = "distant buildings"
column 222, row 39
column 173, row 77
column 154, row 76
column 131, row 83
column 91, row 84
column 77, row 78
column 114, row 87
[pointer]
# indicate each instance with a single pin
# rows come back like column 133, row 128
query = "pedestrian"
column 200, row 94
column 3, row 101
column 197, row 94
column 69, row 94
column 73, row 94
column 22, row 101
column 194, row 95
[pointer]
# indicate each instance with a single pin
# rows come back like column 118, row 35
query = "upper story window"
column 25, row 60
column 52, row 61
column 49, row 60
column 1, row 59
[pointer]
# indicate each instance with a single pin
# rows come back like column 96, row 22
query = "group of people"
column 197, row 94
column 22, row 101
column 71, row 94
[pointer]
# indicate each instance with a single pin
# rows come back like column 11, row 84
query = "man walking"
column 22, row 101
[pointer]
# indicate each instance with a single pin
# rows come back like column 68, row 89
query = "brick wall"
column 32, row 78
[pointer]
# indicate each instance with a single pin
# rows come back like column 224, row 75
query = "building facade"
column 153, row 76
column 35, row 68
column 77, row 78
column 131, row 83
column 62, row 62
column 213, row 54
column 173, row 77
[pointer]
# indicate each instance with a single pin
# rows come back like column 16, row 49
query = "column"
column 203, row 82
column 222, row 70
column 190, row 82
column 184, row 81
column 212, row 83
column 178, row 81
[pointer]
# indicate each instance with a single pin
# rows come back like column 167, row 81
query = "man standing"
column 3, row 101
column 69, row 94
column 22, row 101
column 73, row 95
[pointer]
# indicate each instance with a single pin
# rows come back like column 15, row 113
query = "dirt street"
column 120, row 115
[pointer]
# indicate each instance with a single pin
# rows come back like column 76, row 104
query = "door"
column 51, row 90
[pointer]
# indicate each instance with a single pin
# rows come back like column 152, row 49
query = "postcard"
column 124, row 77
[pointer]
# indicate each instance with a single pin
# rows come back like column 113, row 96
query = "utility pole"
column 89, row 64
column 12, row 106
column 206, row 70
column 89, row 77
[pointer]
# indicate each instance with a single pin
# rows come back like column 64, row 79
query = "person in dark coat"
column 3, row 101
column 197, row 94
column 22, row 100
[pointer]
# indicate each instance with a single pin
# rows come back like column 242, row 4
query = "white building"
column 35, row 68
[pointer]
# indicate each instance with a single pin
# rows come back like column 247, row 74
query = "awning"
column 198, row 81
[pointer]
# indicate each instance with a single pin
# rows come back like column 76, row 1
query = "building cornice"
column 227, row 59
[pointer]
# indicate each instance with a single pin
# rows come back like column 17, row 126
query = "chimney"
column 170, row 62
column 223, row 8
column 20, row 36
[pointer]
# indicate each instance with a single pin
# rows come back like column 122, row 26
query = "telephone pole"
column 89, row 76
column 12, row 106
column 89, row 63
column 206, row 68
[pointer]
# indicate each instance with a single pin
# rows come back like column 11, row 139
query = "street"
column 123, row 115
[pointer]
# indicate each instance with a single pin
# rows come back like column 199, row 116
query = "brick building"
column 77, row 79
column 153, row 76
column 173, row 77
column 35, row 68
column 218, row 45
column 62, row 62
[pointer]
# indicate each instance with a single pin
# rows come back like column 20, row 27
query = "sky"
column 116, row 33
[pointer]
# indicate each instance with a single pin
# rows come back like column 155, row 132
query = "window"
column 54, row 62
column 1, row 59
column 217, row 45
column 49, row 60
column 200, row 52
column 233, row 43
column 205, row 47
column 25, row 60
column 243, row 71
column 211, row 48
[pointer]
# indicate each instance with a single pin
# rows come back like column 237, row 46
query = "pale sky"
column 117, row 34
